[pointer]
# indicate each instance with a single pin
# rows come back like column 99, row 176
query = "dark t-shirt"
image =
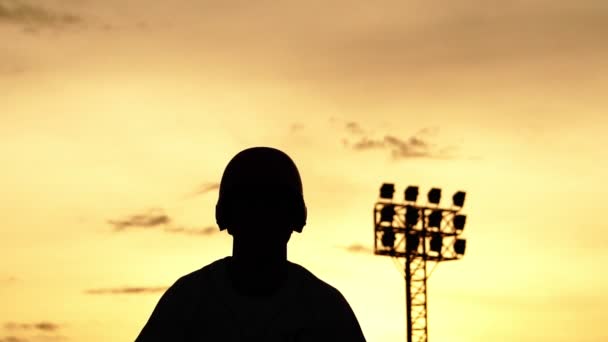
column 203, row 306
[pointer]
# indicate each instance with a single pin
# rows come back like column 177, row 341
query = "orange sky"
column 111, row 110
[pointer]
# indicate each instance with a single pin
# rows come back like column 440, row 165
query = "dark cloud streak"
column 126, row 290
column 36, row 331
column 44, row 326
column 13, row 339
column 415, row 146
column 210, row 230
column 354, row 128
column 157, row 218
column 30, row 15
column 205, row 188
column 358, row 248
column 153, row 218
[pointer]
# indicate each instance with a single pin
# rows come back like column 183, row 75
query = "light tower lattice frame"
column 406, row 230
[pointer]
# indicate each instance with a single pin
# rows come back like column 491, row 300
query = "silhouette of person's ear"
column 301, row 216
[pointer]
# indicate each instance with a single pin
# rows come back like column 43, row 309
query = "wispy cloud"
column 13, row 339
column 34, row 15
column 126, row 290
column 151, row 219
column 204, row 189
column 366, row 143
column 418, row 145
column 158, row 219
column 358, row 248
column 44, row 326
column 32, row 331
column 354, row 128
column 209, row 230
column 412, row 147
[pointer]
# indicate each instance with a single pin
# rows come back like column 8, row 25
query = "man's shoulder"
column 200, row 277
column 326, row 306
column 314, row 285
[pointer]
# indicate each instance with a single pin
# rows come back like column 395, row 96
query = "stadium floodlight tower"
column 421, row 234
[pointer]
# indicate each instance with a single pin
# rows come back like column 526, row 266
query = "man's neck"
column 253, row 274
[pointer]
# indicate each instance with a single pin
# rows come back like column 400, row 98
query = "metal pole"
column 408, row 296
column 424, row 256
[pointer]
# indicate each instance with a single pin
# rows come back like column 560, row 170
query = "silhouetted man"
column 256, row 294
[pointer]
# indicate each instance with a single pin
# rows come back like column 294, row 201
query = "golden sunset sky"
column 112, row 109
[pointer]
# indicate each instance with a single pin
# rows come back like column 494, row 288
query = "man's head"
column 261, row 196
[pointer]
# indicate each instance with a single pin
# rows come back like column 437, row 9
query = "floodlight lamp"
column 459, row 246
column 412, row 241
column 458, row 199
column 388, row 238
column 387, row 213
column 434, row 195
column 412, row 215
column 435, row 219
column 411, row 194
column 459, row 221
column 387, row 190
column 436, row 243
